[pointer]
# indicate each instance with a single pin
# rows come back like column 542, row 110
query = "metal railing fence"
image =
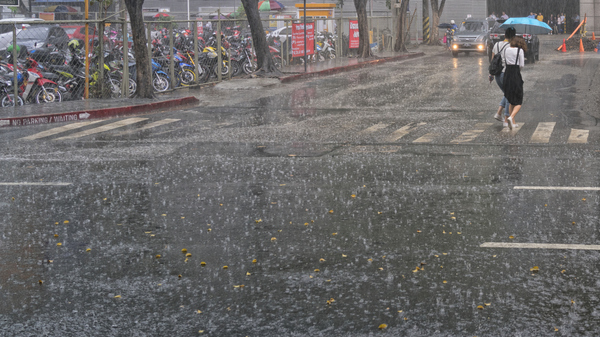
column 51, row 58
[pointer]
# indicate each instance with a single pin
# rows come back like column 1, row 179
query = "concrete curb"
column 95, row 113
column 337, row 70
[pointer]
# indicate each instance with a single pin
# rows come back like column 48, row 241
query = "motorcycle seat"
column 51, row 76
column 66, row 69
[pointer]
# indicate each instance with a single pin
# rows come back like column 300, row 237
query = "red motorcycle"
column 35, row 88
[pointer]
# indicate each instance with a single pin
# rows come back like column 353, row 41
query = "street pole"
column 305, row 56
column 86, row 90
column 188, row 13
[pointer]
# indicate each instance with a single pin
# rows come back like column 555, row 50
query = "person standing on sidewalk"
column 500, row 48
column 513, row 82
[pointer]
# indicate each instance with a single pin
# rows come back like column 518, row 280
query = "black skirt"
column 513, row 85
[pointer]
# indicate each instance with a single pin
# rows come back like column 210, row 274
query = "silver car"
column 6, row 29
column 472, row 36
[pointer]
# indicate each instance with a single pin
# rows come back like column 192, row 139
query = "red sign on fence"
column 354, row 40
column 298, row 39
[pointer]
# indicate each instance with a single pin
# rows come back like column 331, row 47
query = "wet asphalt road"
column 337, row 204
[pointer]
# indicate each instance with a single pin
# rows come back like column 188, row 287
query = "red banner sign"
column 354, row 40
column 298, row 39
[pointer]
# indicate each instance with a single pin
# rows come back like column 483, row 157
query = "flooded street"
column 325, row 207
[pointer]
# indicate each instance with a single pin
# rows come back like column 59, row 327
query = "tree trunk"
column 436, row 12
column 364, row 50
column 266, row 66
column 140, row 49
column 400, row 35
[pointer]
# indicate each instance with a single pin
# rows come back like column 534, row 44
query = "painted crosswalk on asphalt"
column 384, row 131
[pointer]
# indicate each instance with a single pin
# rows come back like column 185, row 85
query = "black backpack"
column 495, row 68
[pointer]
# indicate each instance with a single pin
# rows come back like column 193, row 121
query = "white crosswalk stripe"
column 58, row 130
column 428, row 138
column 403, row 131
column 374, row 128
column 578, row 136
column 150, row 126
column 542, row 133
column 513, row 131
column 104, row 128
column 470, row 135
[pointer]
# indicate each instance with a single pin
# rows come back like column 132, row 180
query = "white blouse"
column 510, row 53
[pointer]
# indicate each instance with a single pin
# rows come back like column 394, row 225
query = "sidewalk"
column 34, row 114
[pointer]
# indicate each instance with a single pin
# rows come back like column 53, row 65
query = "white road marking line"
column 34, row 184
column 428, row 138
column 150, row 126
column 471, row 134
column 578, row 136
column 374, row 128
column 539, row 246
column 558, row 188
column 514, row 130
column 60, row 129
column 542, row 133
column 403, row 131
column 104, row 128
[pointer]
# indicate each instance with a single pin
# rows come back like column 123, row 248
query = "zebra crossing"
column 541, row 135
column 388, row 132
column 100, row 129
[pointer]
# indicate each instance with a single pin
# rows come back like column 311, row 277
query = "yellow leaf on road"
column 382, row 326
column 536, row 268
column 59, row 244
column 480, row 307
column 254, row 261
column 118, row 296
column 203, row 263
column 184, row 250
column 225, row 267
column 273, row 238
column 88, row 250
column 158, row 256
column 511, row 237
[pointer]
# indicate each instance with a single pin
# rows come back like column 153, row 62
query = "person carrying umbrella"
column 513, row 82
column 500, row 48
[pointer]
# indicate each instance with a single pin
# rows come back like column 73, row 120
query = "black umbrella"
column 445, row 25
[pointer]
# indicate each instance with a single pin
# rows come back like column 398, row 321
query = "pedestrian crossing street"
column 417, row 133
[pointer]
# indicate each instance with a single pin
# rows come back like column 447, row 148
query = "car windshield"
column 472, row 26
column 70, row 30
column 36, row 33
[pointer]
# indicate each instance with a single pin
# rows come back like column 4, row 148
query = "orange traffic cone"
column 593, row 36
column 581, row 50
column 564, row 47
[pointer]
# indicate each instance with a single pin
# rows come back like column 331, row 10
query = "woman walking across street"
column 513, row 82
column 500, row 48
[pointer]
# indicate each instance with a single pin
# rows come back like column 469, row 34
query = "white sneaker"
column 497, row 117
column 515, row 126
column 505, row 124
column 510, row 123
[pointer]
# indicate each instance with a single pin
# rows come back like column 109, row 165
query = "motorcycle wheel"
column 277, row 61
column 8, row 100
column 249, row 67
column 236, row 68
column 52, row 95
column 204, row 74
column 132, row 87
column 114, row 86
column 187, row 76
column 160, row 82
column 331, row 54
column 224, row 69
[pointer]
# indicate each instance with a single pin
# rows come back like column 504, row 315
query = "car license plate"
column 467, row 45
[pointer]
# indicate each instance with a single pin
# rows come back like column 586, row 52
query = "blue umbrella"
column 527, row 26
